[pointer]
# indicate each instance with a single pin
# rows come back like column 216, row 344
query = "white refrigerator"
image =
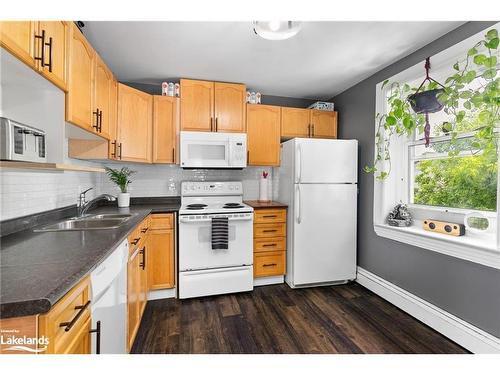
column 318, row 181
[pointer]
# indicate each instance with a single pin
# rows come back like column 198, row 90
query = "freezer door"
column 326, row 161
column 324, row 233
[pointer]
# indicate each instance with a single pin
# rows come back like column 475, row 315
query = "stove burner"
column 233, row 205
column 196, row 206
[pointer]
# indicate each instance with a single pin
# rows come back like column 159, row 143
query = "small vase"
column 123, row 199
column 263, row 190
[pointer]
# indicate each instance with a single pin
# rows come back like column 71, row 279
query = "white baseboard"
column 456, row 329
column 269, row 280
column 162, row 293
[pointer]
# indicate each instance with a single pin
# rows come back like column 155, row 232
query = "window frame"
column 479, row 248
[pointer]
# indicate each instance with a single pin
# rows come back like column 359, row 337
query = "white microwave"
column 209, row 150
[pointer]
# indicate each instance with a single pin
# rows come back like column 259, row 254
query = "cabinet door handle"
column 269, row 245
column 269, row 265
column 113, row 154
column 216, row 124
column 173, row 155
column 143, row 263
column 211, row 124
column 70, row 324
column 135, row 241
column 100, row 121
column 50, row 55
column 97, row 331
column 96, row 113
column 41, row 58
column 144, row 230
column 120, row 147
column 312, row 129
column 269, row 216
column 269, row 230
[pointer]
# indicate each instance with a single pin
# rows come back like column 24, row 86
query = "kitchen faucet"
column 84, row 206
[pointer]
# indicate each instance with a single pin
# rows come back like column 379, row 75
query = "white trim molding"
column 459, row 247
column 465, row 334
column 162, row 293
column 268, row 280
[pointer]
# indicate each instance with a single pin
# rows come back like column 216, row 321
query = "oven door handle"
column 209, row 219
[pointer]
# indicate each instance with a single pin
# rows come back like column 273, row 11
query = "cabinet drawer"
column 162, row 221
column 269, row 264
column 64, row 321
column 270, row 216
column 269, row 230
column 269, row 244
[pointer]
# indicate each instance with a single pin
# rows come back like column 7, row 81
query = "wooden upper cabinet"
column 103, row 81
column 229, row 102
column 79, row 98
column 323, row 124
column 18, row 37
column 197, row 105
column 135, row 115
column 295, row 122
column 165, row 125
column 56, row 34
column 263, row 132
column 113, row 119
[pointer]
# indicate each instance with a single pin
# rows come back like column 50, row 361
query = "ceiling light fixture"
column 276, row 30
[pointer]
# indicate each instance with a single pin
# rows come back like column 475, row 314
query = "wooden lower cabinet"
column 151, row 266
column 269, row 263
column 161, row 252
column 81, row 341
column 67, row 324
column 137, row 279
column 269, row 251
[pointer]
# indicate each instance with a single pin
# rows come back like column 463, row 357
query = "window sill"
column 482, row 250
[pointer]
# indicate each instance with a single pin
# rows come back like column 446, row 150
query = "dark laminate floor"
column 277, row 319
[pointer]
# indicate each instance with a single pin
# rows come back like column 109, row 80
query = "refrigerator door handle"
column 299, row 206
column 299, row 163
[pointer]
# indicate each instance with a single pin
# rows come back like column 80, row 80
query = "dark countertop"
column 37, row 269
column 270, row 204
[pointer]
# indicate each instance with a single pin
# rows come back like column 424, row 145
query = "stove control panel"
column 195, row 188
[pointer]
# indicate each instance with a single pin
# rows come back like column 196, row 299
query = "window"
column 467, row 179
column 435, row 184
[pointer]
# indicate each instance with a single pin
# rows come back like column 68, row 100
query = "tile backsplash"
column 161, row 180
column 27, row 192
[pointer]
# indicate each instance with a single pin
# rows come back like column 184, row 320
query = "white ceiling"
column 324, row 59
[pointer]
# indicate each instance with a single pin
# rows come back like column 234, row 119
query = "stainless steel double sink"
column 88, row 222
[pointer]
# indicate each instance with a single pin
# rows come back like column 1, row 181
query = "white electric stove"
column 204, row 271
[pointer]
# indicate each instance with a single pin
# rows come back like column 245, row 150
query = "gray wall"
column 467, row 290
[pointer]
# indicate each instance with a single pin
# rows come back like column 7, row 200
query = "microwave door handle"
column 229, row 154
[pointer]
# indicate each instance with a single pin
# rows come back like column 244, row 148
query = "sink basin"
column 92, row 222
column 107, row 216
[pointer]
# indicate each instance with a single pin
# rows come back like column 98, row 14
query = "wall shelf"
column 56, row 167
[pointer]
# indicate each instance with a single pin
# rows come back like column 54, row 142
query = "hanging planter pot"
column 426, row 101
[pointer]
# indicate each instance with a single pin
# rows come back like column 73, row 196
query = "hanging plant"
column 408, row 107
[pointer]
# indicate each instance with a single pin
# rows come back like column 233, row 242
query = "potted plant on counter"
column 121, row 177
